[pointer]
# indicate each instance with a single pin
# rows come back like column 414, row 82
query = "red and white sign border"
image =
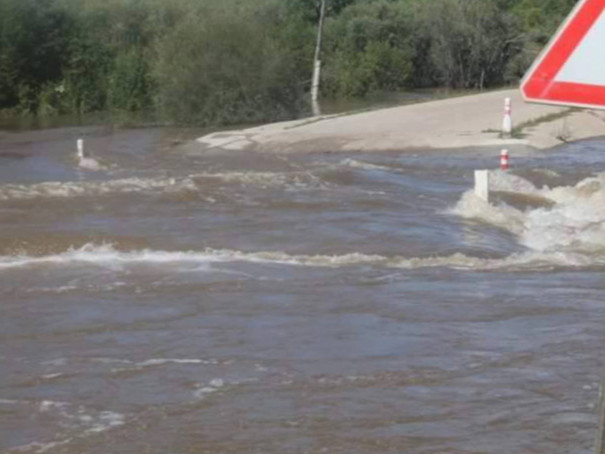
column 539, row 84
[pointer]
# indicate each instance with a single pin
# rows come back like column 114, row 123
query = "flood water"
column 186, row 302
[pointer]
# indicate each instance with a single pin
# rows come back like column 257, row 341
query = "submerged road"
column 468, row 121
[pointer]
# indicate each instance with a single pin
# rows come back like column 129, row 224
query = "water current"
column 179, row 301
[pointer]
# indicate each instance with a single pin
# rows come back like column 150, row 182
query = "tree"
column 468, row 43
column 230, row 68
column 369, row 48
column 34, row 37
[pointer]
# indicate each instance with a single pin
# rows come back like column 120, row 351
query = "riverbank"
column 469, row 121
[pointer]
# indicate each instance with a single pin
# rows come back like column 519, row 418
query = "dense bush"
column 228, row 64
column 369, row 48
column 228, row 61
column 470, row 43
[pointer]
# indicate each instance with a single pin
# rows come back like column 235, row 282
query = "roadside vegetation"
column 212, row 62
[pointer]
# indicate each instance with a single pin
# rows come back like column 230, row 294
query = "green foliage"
column 309, row 10
column 471, row 42
column 368, row 49
column 33, row 35
column 129, row 84
column 541, row 17
column 220, row 67
column 230, row 61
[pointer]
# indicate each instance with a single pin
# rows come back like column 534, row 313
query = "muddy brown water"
column 186, row 302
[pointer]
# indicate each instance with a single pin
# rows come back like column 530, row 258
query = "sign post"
column 571, row 69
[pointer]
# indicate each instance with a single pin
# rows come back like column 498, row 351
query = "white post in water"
column 80, row 148
column 507, row 122
column 482, row 184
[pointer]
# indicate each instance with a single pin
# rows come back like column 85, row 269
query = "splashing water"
column 573, row 222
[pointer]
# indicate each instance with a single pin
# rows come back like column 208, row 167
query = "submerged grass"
column 519, row 131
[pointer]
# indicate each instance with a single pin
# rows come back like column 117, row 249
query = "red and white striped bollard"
column 504, row 160
column 507, row 122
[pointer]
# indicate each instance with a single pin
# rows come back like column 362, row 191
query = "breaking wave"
column 69, row 189
column 296, row 179
column 561, row 227
column 107, row 256
column 567, row 220
column 73, row 189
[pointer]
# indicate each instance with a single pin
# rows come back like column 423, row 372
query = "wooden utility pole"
column 317, row 61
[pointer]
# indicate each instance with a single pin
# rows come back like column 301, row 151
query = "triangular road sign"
column 571, row 70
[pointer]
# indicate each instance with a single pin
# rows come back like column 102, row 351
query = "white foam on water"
column 61, row 289
column 546, row 172
column 203, row 391
column 353, row 163
column 38, row 448
column 73, row 288
column 55, row 362
column 71, row 189
column 104, row 421
column 161, row 362
column 77, row 421
column 107, row 256
column 217, row 382
column 135, row 185
column 52, row 376
column 48, row 405
column 266, row 180
column 575, row 223
column 569, row 230
column 80, row 420
column 110, row 361
column 133, row 366
column 472, row 207
column 73, row 422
